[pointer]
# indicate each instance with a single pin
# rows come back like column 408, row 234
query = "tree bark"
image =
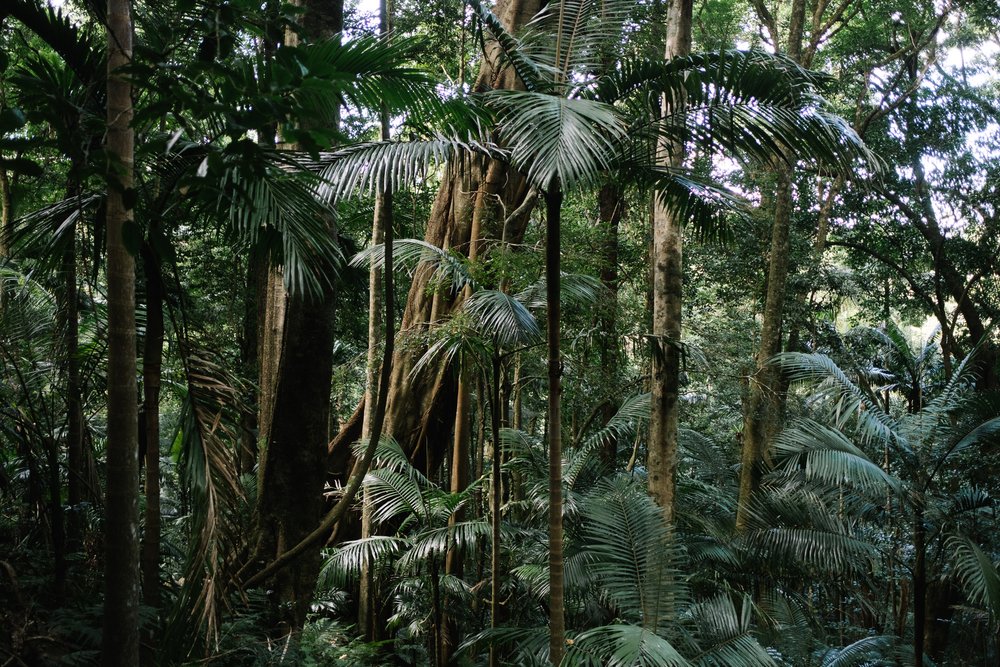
column 120, row 644
column 367, row 598
column 76, row 472
column 6, row 214
column 422, row 406
column 764, row 396
column 762, row 407
column 557, row 620
column 152, row 360
column 292, row 471
column 668, row 284
column 611, row 205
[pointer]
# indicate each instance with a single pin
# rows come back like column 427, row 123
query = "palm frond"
column 976, row 572
column 557, row 140
column 631, row 554
column 574, row 289
column 278, row 207
column 455, row 342
column 826, row 455
column 450, row 269
column 389, row 455
column 623, row 646
column 633, row 411
column 622, row 426
column 345, row 563
column 823, row 550
column 364, row 71
column 589, row 33
column 724, row 634
column 845, row 399
column 704, row 205
column 393, row 494
column 503, row 318
column 527, row 69
column 866, row 652
column 984, row 433
column 388, row 166
column 211, row 409
column 45, row 232
column 531, row 645
column 435, row 543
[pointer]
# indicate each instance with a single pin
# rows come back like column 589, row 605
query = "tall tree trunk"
column 152, row 360
column 763, row 403
column 668, row 285
column 611, row 206
column 249, row 360
column 293, row 464
column 495, row 497
column 120, row 644
column 919, row 580
column 422, row 405
column 76, row 472
column 462, row 437
column 367, row 594
column 762, row 409
column 557, row 620
column 368, row 617
column 6, row 214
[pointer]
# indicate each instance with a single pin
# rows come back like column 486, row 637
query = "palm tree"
column 121, row 605
column 422, row 514
column 936, row 426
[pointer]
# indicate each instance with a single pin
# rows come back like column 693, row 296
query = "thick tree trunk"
column 668, row 284
column 422, row 405
column 292, row 469
column 120, row 644
column 291, row 502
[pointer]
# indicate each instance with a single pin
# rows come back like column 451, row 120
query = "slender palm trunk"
column 668, row 286
column 121, row 562
column 76, row 472
column 919, row 581
column 611, row 204
column 152, row 359
column 367, row 602
column 557, row 621
column 368, row 605
column 495, row 498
